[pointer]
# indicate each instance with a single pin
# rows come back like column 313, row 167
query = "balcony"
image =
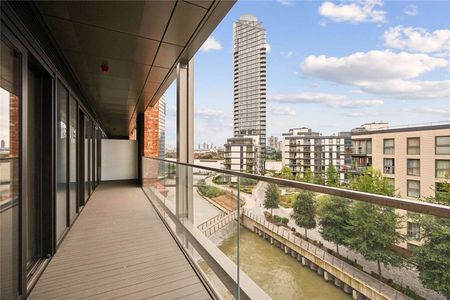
column 199, row 233
column 119, row 247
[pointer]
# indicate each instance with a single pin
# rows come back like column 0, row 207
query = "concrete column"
column 286, row 249
column 327, row 276
column 347, row 289
column 271, row 240
column 299, row 257
column 337, row 282
column 184, row 207
column 140, row 141
column 355, row 295
column 305, row 262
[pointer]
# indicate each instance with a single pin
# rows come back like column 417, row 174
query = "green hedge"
column 210, row 191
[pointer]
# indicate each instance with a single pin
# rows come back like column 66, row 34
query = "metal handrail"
column 428, row 208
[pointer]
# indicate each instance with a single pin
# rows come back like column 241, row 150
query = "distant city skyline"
column 383, row 61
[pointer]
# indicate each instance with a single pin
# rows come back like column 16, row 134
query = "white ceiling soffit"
column 141, row 42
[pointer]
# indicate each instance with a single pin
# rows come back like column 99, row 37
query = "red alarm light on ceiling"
column 105, row 68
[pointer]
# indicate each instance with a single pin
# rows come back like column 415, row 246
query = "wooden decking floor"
column 119, row 248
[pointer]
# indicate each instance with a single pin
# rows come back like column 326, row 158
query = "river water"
column 278, row 274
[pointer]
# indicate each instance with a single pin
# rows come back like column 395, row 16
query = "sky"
column 332, row 66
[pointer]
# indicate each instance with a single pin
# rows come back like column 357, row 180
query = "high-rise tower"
column 249, row 59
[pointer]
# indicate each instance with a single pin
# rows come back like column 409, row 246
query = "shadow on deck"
column 119, row 248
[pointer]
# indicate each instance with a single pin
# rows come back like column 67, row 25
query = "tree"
column 286, row 172
column 433, row 257
column 373, row 232
column 304, row 211
column 332, row 175
column 334, row 214
column 318, row 179
column 373, row 229
column 308, row 176
column 272, row 199
column 372, row 181
column 443, row 191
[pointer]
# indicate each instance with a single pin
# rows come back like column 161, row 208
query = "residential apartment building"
column 272, row 141
column 243, row 154
column 305, row 150
column 249, row 38
column 415, row 159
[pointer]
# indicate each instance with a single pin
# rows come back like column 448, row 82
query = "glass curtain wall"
column 87, row 155
column 61, row 161
column 73, row 159
column 10, row 86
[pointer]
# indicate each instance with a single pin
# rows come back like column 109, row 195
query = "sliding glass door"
column 61, row 160
column 10, row 98
column 73, row 127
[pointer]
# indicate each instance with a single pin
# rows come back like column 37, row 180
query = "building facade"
column 416, row 160
column 249, row 38
column 305, row 150
column 154, row 135
column 243, row 154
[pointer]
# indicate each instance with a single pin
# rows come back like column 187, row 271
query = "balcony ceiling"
column 141, row 42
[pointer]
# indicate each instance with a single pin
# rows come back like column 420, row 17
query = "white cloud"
column 354, row 12
column 417, row 39
column 445, row 111
column 171, row 110
column 323, row 23
column 331, row 100
column 381, row 72
column 208, row 113
column 287, row 54
column 268, row 48
column 282, row 111
column 410, row 10
column 286, row 2
column 410, row 88
column 359, row 114
column 211, row 44
column 361, row 67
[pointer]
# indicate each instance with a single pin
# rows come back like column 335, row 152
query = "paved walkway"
column 119, row 248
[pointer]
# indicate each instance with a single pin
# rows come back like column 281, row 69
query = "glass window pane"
column 413, row 167
column 443, row 145
column 413, row 188
column 443, row 141
column 442, row 168
column 61, row 161
column 9, row 171
column 73, row 158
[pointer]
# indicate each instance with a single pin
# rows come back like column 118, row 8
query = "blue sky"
column 332, row 66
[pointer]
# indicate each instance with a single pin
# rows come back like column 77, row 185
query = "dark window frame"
column 436, row 146
column 408, row 147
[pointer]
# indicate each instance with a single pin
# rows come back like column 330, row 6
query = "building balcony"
column 119, row 247
column 184, row 227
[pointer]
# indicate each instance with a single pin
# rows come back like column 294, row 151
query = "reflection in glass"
column 9, row 171
column 73, row 159
column 87, row 155
column 61, row 161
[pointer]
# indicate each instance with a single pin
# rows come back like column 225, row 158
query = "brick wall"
column 151, row 122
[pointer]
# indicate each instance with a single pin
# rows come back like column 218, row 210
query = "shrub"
column 219, row 179
column 284, row 220
column 210, row 191
column 247, row 181
column 277, row 218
